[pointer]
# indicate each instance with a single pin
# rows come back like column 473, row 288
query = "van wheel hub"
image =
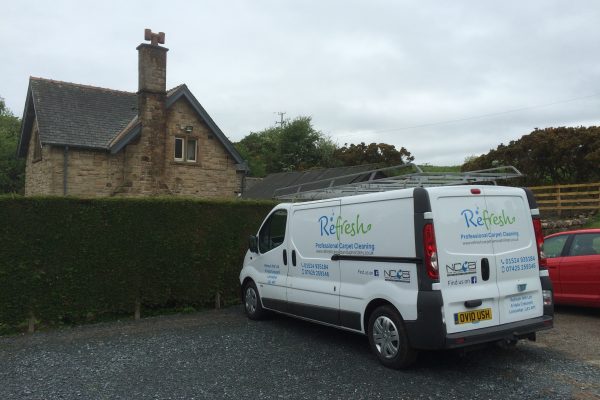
column 385, row 336
column 251, row 300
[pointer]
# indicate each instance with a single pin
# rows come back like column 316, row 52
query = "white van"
column 421, row 268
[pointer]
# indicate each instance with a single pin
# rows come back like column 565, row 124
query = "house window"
column 191, row 150
column 186, row 149
column 178, row 149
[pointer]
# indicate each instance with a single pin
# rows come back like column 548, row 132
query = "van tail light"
column 430, row 253
column 547, row 297
column 539, row 239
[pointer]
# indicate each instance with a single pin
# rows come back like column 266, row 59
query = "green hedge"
column 66, row 259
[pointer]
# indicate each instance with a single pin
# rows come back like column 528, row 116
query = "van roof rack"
column 397, row 177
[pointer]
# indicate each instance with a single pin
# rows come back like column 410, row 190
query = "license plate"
column 472, row 317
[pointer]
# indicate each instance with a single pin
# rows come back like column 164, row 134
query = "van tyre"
column 252, row 302
column 388, row 338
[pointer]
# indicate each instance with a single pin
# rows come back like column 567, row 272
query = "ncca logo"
column 396, row 275
column 462, row 268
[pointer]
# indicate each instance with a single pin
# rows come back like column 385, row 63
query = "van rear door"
column 515, row 252
column 465, row 257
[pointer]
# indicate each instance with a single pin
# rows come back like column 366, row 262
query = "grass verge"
column 594, row 222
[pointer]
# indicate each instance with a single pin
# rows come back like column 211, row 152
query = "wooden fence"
column 568, row 198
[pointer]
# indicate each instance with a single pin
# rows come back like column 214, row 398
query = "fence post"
column 138, row 306
column 31, row 323
column 558, row 202
column 217, row 300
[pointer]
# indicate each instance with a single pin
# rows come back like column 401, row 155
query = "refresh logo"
column 475, row 218
column 330, row 226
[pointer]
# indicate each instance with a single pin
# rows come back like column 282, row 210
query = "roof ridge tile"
column 34, row 78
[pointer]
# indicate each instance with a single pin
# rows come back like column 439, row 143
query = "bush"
column 547, row 156
column 67, row 260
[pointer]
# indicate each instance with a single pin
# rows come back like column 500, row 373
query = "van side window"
column 272, row 233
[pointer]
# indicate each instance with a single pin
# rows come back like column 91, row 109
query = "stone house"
column 89, row 141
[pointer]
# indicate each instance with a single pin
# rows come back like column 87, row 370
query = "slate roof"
column 79, row 115
column 311, row 180
column 75, row 115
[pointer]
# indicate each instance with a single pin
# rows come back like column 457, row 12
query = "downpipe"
column 65, row 170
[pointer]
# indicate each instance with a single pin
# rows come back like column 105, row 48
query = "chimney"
column 152, row 112
column 152, row 64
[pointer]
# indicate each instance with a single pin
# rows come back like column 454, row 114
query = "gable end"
column 26, row 124
column 183, row 91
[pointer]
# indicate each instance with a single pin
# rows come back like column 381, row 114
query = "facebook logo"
column 376, row 272
column 473, row 279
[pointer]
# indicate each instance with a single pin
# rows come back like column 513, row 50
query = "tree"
column 548, row 156
column 294, row 146
column 12, row 169
column 259, row 149
column 298, row 146
column 374, row 153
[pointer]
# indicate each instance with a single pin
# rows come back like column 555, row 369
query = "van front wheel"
column 388, row 338
column 252, row 303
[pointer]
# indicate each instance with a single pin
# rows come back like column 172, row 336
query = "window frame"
column 565, row 245
column 574, row 243
column 185, row 143
column 266, row 230
column 179, row 139
column 187, row 149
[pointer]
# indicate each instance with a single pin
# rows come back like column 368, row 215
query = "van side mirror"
column 253, row 244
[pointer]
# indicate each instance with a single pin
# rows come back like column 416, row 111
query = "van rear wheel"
column 388, row 338
column 252, row 303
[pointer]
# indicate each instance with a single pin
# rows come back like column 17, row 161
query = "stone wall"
column 38, row 172
column 89, row 173
column 557, row 224
column 214, row 172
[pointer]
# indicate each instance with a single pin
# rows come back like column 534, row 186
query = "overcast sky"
column 442, row 78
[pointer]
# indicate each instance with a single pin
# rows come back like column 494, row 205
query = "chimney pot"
column 155, row 38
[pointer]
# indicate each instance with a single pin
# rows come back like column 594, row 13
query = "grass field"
column 438, row 168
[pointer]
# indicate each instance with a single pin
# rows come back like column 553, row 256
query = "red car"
column 574, row 264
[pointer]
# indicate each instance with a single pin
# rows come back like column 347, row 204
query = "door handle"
column 284, row 257
column 294, row 258
column 485, row 269
column 473, row 303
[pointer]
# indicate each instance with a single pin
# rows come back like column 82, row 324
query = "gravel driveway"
column 221, row 354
